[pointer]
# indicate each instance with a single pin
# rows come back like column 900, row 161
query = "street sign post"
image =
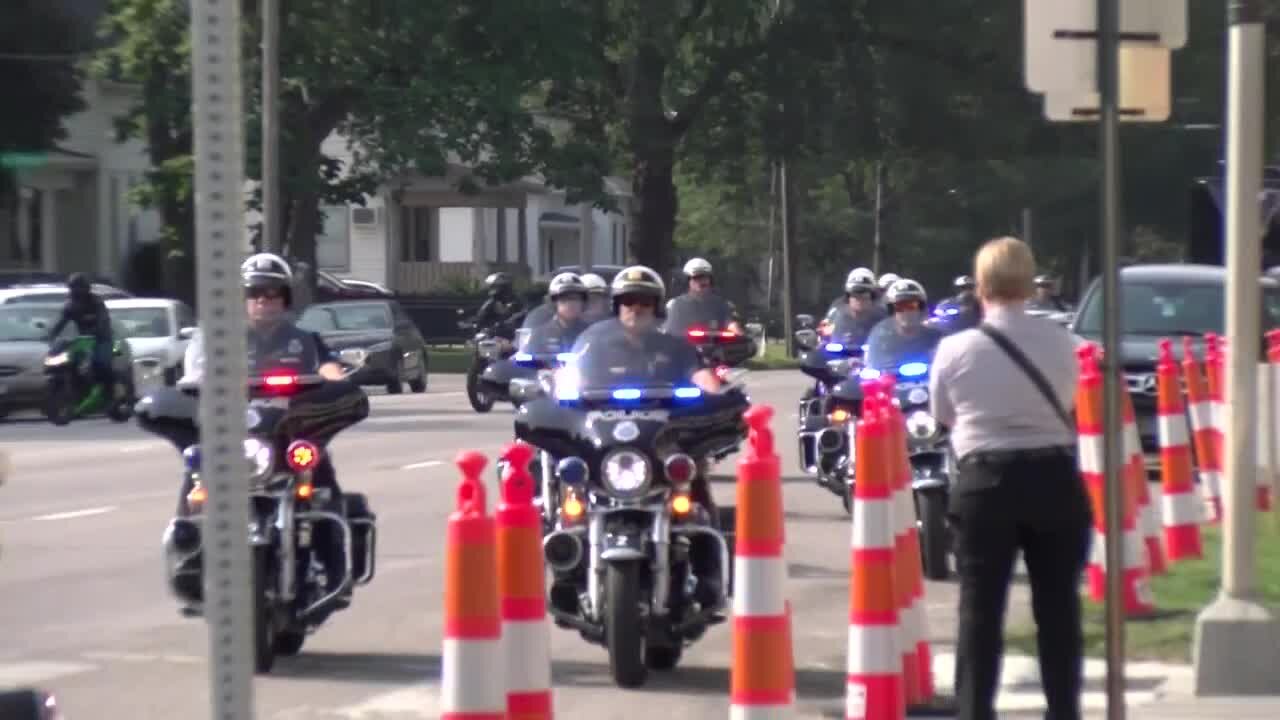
column 218, row 117
column 1144, row 92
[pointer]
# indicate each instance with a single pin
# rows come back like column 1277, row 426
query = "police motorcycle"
column 290, row 420
column 639, row 564
column 533, row 355
column 933, row 464
column 821, row 414
column 489, row 345
column 716, row 345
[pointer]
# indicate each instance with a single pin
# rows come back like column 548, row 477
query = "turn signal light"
column 197, row 497
column 572, row 508
column 681, row 504
column 303, row 491
column 839, row 415
column 302, row 456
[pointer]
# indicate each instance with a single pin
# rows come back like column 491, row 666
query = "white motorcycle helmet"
column 886, row 280
column 595, row 284
column 860, row 279
column 904, row 290
column 697, row 266
column 566, row 284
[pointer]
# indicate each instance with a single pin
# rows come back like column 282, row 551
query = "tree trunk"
column 653, row 239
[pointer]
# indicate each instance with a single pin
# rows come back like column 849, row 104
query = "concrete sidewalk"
column 1219, row 708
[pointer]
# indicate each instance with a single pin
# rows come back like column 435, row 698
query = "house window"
column 415, row 234
column 333, row 242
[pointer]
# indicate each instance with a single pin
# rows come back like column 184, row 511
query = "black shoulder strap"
column 1037, row 378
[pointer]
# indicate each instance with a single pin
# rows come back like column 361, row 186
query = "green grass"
column 1180, row 595
column 775, row 358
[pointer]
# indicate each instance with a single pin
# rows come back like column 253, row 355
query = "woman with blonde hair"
column 1006, row 389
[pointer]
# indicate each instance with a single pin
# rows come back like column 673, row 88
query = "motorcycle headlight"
column 353, row 356
column 918, row 396
column 59, row 359
column 840, row 367
column 260, row 457
column 626, row 472
column 921, row 425
column 488, row 349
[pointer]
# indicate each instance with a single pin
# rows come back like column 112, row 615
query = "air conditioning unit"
column 364, row 216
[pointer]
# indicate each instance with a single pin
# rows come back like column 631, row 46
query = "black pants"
column 1002, row 502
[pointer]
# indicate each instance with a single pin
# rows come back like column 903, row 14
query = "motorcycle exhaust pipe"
column 562, row 550
column 830, row 440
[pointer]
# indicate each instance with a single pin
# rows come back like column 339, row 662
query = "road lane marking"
column 38, row 672
column 130, row 657
column 73, row 514
column 423, row 464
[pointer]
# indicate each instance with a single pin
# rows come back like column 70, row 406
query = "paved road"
column 85, row 611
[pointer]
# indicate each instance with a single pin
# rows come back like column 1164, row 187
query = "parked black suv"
column 1165, row 301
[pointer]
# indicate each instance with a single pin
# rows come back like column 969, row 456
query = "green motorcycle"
column 72, row 391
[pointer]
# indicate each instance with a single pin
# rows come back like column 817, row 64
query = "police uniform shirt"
column 987, row 400
column 555, row 336
column 539, row 316
column 856, row 326
column 606, row 349
column 287, row 347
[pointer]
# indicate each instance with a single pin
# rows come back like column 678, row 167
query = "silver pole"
column 1245, row 97
column 877, row 256
column 1113, row 439
column 773, row 208
column 1026, row 226
column 786, row 261
column 218, row 115
column 271, row 126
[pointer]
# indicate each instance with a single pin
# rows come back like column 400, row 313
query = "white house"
column 418, row 233
column 72, row 211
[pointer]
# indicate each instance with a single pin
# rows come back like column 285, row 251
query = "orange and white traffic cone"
column 762, row 678
column 1200, row 409
column 471, row 685
column 1136, row 475
column 875, row 688
column 1137, row 593
column 1182, row 513
column 526, row 642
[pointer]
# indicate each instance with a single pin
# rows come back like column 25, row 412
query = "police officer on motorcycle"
column 858, row 311
column 961, row 311
column 904, row 332
column 631, row 346
column 597, row 298
column 1046, row 298
column 883, row 283
column 274, row 342
column 701, row 304
column 568, row 295
column 90, row 315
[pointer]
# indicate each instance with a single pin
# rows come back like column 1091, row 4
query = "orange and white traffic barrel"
column 1181, row 510
column 875, row 689
column 526, row 641
column 762, row 678
column 472, row 685
column 1135, row 473
column 1203, row 433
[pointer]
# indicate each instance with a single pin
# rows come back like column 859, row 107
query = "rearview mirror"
column 186, row 333
column 805, row 321
column 807, row 339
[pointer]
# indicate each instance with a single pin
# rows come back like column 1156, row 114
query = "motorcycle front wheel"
column 480, row 400
column 264, row 653
column 935, row 543
column 623, row 629
column 60, row 402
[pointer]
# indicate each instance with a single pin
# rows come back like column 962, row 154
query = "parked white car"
column 157, row 331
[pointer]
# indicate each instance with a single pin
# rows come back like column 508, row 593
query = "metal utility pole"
column 786, row 261
column 773, row 208
column 218, row 117
column 1112, row 436
column 876, row 252
column 1237, row 640
column 1026, row 226
column 271, row 126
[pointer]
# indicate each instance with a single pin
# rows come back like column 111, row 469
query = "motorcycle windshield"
column 907, row 356
column 316, row 413
column 609, row 361
column 688, row 313
column 549, row 344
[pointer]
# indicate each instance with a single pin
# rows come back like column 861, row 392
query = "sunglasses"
column 701, row 278
column 263, row 294
column 907, row 306
column 861, row 294
column 630, row 300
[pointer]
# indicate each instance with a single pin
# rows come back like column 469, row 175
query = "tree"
column 39, row 43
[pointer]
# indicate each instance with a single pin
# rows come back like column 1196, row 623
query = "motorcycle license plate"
column 281, row 403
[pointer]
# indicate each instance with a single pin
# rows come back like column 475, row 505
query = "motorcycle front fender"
column 929, row 472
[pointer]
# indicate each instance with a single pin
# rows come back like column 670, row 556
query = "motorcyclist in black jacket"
column 500, row 307
column 1046, row 298
column 91, row 317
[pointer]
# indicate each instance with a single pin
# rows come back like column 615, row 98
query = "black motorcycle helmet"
column 499, row 285
column 266, row 270
column 79, row 286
